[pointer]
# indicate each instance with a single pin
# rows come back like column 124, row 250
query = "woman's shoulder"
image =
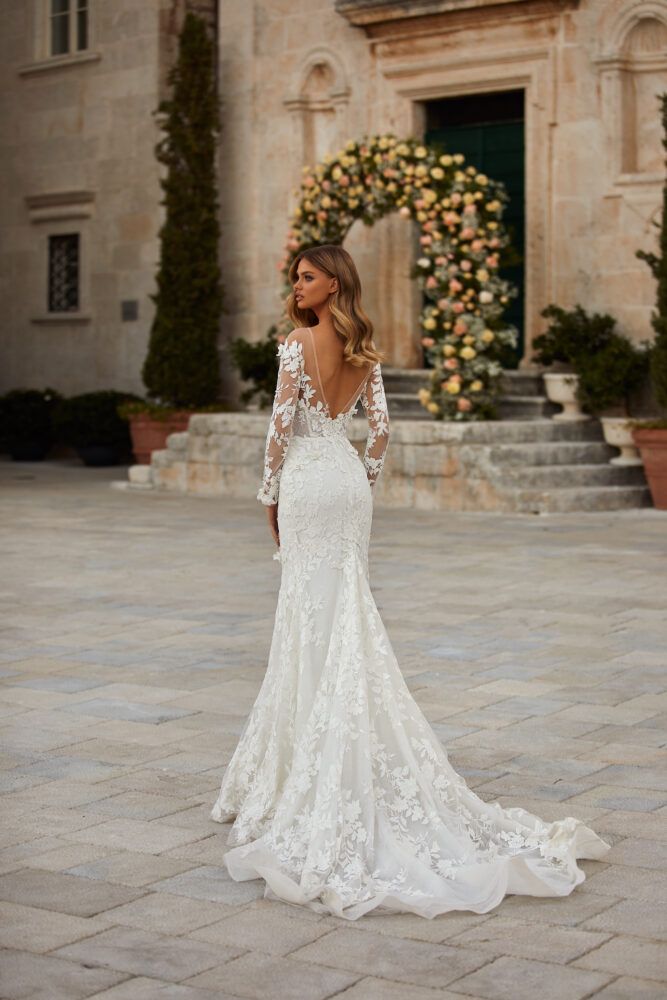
column 298, row 335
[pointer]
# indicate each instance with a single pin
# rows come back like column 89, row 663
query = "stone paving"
column 134, row 633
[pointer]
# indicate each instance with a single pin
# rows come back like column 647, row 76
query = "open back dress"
column 342, row 797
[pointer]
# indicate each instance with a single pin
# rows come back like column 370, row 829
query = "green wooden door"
column 496, row 148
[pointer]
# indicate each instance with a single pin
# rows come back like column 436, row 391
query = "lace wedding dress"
column 343, row 798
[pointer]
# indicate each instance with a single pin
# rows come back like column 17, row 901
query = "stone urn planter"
column 618, row 433
column 150, row 434
column 561, row 387
column 652, row 444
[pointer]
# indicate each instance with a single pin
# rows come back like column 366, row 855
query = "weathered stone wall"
column 300, row 79
column 297, row 79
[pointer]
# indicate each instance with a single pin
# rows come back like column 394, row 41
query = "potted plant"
column 181, row 371
column 257, row 363
column 26, row 419
column 651, row 436
column 570, row 335
column 609, row 378
column 90, row 424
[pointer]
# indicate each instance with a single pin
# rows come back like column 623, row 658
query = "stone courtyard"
column 134, row 634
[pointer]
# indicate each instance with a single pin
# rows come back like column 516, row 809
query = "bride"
column 343, row 798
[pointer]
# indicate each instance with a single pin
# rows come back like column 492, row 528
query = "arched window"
column 318, row 99
column 633, row 68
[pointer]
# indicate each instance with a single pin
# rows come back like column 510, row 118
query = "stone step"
column 522, row 383
column 569, row 499
column 411, row 380
column 532, row 407
column 584, row 474
column 406, row 406
column 551, row 453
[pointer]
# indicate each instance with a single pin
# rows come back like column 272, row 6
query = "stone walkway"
column 133, row 638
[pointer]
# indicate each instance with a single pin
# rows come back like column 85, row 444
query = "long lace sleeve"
column 282, row 416
column 374, row 403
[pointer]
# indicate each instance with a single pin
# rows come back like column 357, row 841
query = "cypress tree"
column 181, row 368
column 658, row 264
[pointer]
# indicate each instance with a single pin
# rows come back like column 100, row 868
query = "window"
column 68, row 26
column 64, row 273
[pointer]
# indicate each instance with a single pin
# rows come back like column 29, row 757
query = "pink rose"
column 451, row 364
column 420, row 203
column 492, row 260
column 463, row 404
column 455, row 285
column 444, row 303
column 431, row 281
column 477, row 245
column 326, row 185
column 344, row 181
column 425, row 240
column 460, row 327
column 470, row 210
column 428, row 341
column 467, row 233
column 458, row 307
column 466, row 265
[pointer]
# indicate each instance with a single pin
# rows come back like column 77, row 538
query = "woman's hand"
column 272, row 515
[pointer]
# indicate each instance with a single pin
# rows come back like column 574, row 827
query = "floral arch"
column 459, row 211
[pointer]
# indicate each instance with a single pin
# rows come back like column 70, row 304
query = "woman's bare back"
column 337, row 382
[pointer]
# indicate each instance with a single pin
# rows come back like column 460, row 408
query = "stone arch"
column 318, row 99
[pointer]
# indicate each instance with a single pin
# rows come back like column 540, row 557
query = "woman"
column 343, row 798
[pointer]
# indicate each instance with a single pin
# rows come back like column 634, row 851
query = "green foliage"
column 92, row 419
column 181, row 369
column 571, row 334
column 257, row 363
column 609, row 376
column 26, row 415
column 658, row 265
column 158, row 411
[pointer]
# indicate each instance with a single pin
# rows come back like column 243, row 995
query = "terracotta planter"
column 561, row 387
column 652, row 443
column 618, row 433
column 149, row 434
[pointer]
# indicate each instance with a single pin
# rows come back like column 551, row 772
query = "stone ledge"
column 431, row 465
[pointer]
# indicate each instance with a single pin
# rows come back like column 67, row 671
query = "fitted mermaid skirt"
column 343, row 798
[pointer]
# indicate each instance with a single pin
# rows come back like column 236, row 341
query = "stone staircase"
column 522, row 396
column 536, row 464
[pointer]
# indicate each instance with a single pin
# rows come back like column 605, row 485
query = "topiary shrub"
column 257, row 363
column 611, row 375
column 26, row 422
column 658, row 265
column 92, row 419
column 182, row 368
column 571, row 334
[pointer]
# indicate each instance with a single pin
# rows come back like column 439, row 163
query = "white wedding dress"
column 343, row 798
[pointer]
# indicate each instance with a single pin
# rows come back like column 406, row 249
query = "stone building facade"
column 559, row 95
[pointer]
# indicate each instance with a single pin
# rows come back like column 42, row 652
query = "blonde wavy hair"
column 349, row 319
